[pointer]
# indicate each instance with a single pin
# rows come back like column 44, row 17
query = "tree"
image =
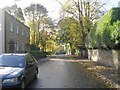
column 69, row 33
column 34, row 13
column 42, row 27
column 86, row 12
column 47, row 33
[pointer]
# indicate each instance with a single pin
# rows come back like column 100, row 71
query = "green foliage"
column 35, row 10
column 34, row 47
column 35, row 13
column 70, row 33
column 106, row 32
column 41, row 26
column 38, row 54
column 85, row 12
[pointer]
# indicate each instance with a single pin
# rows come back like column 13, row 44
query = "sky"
column 51, row 5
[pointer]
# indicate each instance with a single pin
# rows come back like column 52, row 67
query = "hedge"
column 38, row 54
column 106, row 32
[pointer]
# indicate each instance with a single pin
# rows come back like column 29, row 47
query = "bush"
column 34, row 47
column 38, row 54
column 106, row 32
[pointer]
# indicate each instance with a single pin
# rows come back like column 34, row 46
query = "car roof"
column 18, row 54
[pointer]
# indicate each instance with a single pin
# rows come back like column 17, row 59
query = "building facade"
column 14, row 35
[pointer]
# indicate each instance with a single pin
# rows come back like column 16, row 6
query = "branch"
column 59, row 2
column 70, row 12
column 78, row 6
column 95, row 9
column 93, row 3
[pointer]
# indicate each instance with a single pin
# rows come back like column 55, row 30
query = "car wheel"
column 36, row 74
column 23, row 85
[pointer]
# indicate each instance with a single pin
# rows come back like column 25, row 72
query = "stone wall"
column 105, row 57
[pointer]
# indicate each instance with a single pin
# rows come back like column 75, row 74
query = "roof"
column 15, row 19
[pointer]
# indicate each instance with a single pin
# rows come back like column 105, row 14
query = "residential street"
column 62, row 74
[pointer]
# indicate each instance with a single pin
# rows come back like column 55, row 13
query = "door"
column 29, row 68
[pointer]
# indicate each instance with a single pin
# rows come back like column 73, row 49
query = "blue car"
column 17, row 70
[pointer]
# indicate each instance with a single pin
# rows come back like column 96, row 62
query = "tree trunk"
column 38, row 34
column 81, row 21
column 33, row 30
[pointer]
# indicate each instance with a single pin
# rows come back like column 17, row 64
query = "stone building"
column 14, row 35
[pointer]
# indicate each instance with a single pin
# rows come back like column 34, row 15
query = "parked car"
column 17, row 70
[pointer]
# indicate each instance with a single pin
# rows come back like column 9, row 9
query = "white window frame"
column 17, row 30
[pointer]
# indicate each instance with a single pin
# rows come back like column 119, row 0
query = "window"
column 11, row 26
column 17, row 29
column 22, row 32
column 12, row 60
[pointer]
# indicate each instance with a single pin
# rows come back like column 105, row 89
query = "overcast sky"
column 51, row 5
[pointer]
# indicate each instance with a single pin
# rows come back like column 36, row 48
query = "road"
column 62, row 74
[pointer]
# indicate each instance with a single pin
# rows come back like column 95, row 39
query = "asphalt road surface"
column 62, row 74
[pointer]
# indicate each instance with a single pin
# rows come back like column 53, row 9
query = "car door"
column 29, row 68
column 34, row 66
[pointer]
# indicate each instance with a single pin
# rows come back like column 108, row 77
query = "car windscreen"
column 12, row 61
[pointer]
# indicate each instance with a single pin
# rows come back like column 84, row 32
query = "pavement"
column 108, row 75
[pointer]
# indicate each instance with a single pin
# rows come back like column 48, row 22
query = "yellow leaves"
column 66, row 6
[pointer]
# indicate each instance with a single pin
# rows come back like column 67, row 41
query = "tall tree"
column 86, row 12
column 69, row 33
column 34, row 13
column 46, row 32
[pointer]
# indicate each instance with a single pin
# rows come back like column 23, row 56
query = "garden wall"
column 105, row 57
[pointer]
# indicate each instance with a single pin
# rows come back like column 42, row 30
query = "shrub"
column 38, row 54
column 106, row 32
column 34, row 47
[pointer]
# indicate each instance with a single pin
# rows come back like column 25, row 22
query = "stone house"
column 14, row 35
